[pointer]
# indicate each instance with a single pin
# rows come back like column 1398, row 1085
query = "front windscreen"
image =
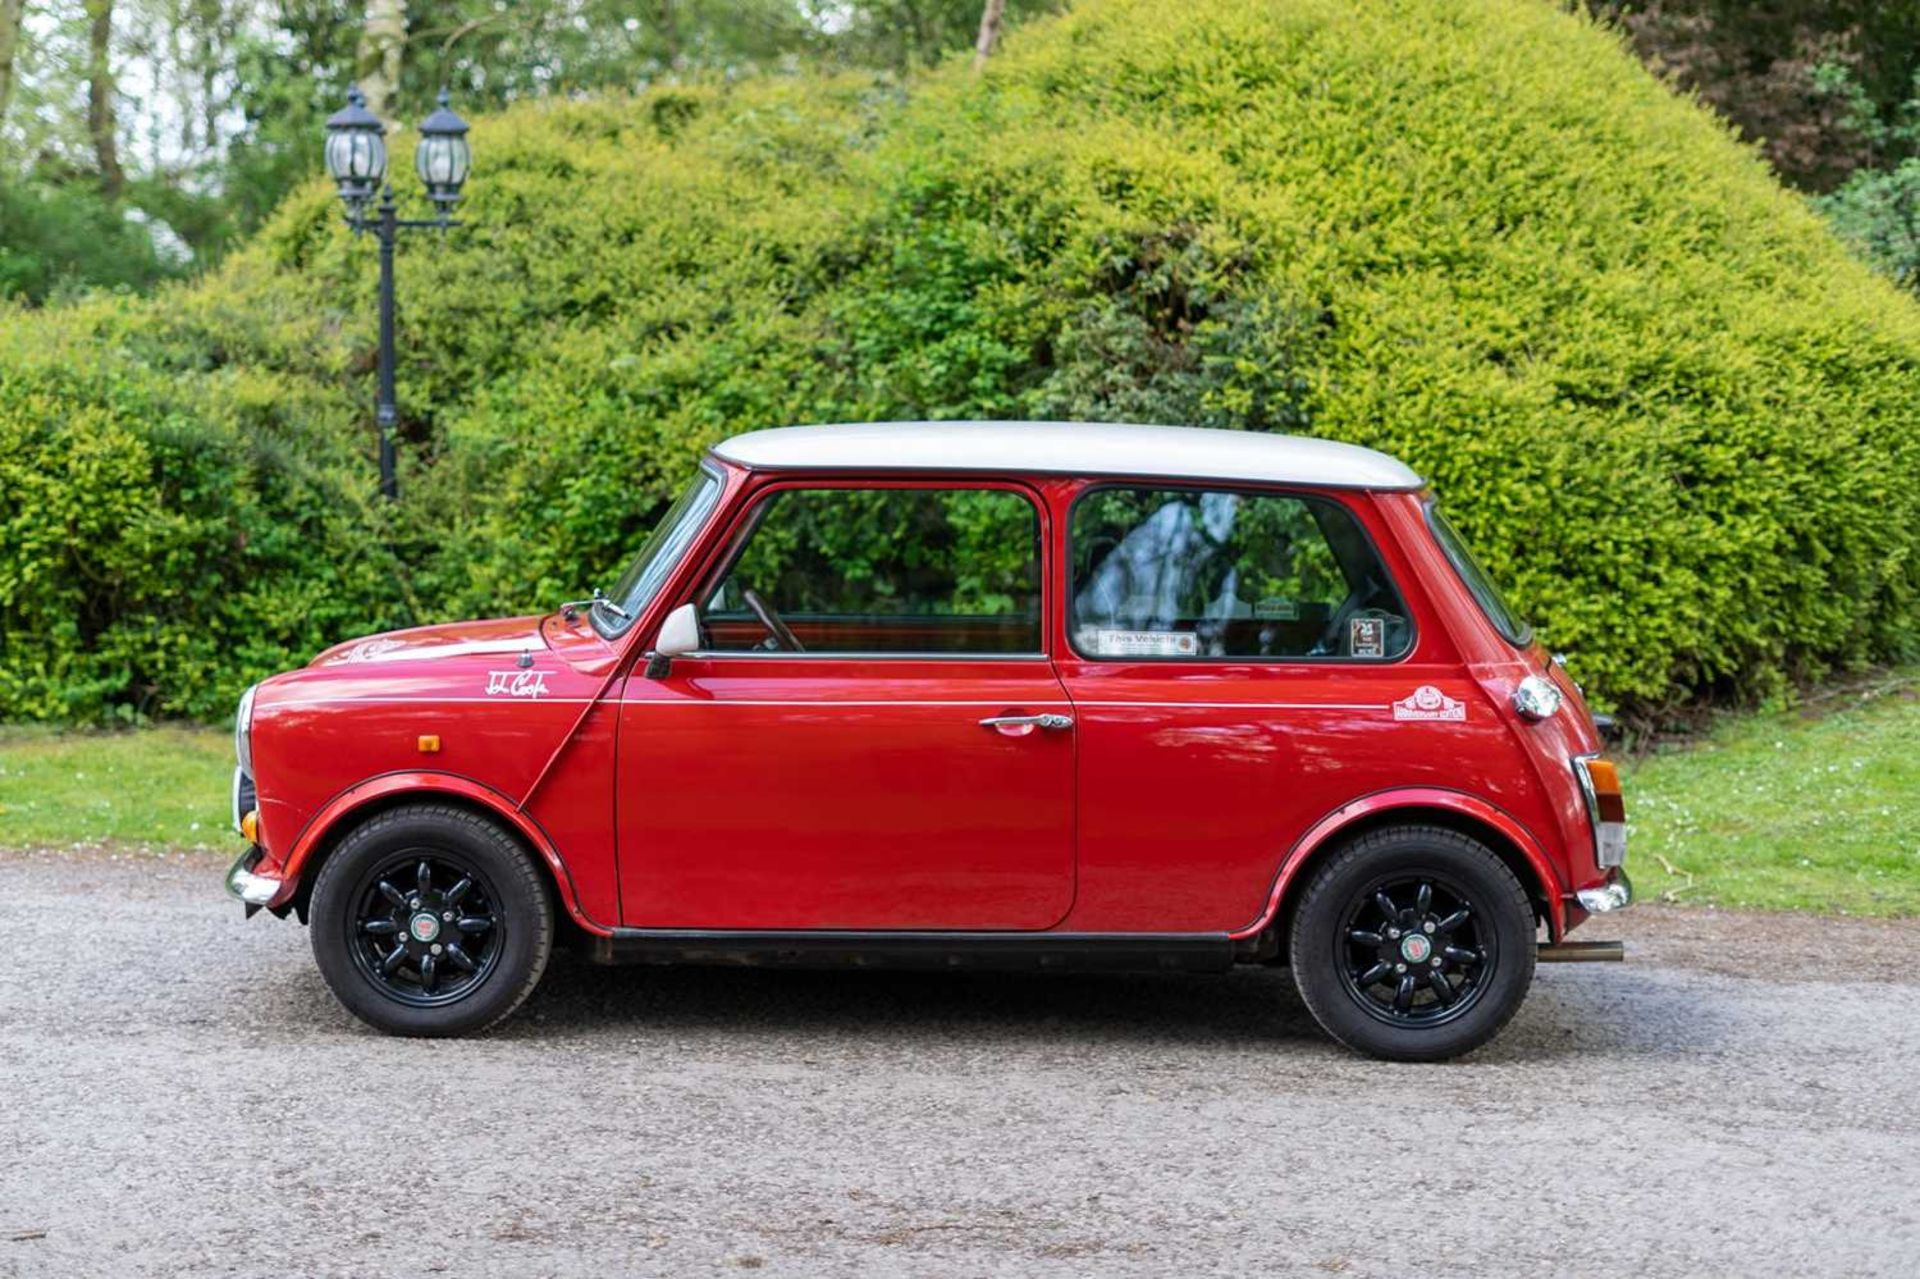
column 664, row 547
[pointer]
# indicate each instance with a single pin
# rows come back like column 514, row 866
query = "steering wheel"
column 780, row 631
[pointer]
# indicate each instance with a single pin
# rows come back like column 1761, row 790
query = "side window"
column 883, row 571
column 1194, row 573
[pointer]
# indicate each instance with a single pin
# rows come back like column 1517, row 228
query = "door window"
column 888, row 570
column 1194, row 574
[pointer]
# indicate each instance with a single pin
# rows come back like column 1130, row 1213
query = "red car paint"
column 756, row 792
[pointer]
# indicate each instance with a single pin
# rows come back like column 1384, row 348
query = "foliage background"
column 1677, row 418
column 142, row 140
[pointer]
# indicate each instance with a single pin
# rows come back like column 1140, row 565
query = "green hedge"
column 1677, row 419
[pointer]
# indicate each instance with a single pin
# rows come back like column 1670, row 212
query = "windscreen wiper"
column 599, row 599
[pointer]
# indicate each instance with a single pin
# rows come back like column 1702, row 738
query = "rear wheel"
column 1414, row 943
column 431, row 920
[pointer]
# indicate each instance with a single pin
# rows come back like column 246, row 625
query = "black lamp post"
column 357, row 160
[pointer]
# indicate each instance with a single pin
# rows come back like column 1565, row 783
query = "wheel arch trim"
column 381, row 792
column 1545, row 885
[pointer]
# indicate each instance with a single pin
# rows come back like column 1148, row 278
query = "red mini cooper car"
column 1022, row 695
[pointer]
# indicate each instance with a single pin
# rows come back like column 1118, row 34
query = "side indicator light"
column 250, row 826
column 429, row 743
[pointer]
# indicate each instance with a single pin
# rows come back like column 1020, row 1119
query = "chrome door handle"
column 1027, row 722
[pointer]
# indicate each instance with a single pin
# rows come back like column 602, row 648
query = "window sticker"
column 1146, row 643
column 1367, row 636
column 1428, row 703
column 1275, row 609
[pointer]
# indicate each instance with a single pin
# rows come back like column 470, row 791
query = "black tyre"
column 431, row 920
column 1414, row 943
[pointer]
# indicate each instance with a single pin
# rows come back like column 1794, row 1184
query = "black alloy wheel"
column 426, row 928
column 1412, row 950
column 431, row 919
column 1413, row 943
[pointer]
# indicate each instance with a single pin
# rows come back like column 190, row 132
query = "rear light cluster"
column 1606, row 808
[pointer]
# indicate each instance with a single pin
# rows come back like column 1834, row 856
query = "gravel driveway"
column 180, row 1094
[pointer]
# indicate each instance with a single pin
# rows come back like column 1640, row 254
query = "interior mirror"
column 679, row 634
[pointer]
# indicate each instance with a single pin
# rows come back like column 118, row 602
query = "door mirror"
column 679, row 634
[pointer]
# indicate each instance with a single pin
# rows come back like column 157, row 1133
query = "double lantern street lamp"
column 357, row 161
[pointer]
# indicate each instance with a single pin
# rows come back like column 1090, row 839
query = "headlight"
column 243, row 731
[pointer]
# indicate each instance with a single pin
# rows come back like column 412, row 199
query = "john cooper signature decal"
column 1428, row 702
column 516, row 683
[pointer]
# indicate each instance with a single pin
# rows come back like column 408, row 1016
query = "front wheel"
column 1415, row 943
column 431, row 920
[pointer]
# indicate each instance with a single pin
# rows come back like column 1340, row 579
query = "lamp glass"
column 442, row 160
column 357, row 156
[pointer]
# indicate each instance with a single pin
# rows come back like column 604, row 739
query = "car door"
column 870, row 736
column 1235, row 658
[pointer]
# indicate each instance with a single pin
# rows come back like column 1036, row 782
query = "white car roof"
column 1070, row 448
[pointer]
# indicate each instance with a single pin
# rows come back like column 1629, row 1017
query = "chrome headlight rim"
column 243, row 730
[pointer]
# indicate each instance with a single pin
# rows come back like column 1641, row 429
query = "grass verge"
column 1812, row 809
column 154, row 789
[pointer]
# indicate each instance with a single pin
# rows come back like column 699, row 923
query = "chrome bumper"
column 255, row 890
column 1615, row 894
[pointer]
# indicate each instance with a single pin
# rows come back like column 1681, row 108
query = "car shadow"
column 1590, row 1010
column 579, row 997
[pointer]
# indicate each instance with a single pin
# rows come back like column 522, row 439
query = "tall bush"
column 1671, row 411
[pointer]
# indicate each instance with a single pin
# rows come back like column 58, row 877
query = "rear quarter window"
column 1510, row 624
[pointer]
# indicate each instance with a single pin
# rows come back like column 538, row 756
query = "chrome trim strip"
column 1250, row 706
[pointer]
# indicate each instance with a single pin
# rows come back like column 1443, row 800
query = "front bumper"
column 255, row 890
column 1615, row 894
